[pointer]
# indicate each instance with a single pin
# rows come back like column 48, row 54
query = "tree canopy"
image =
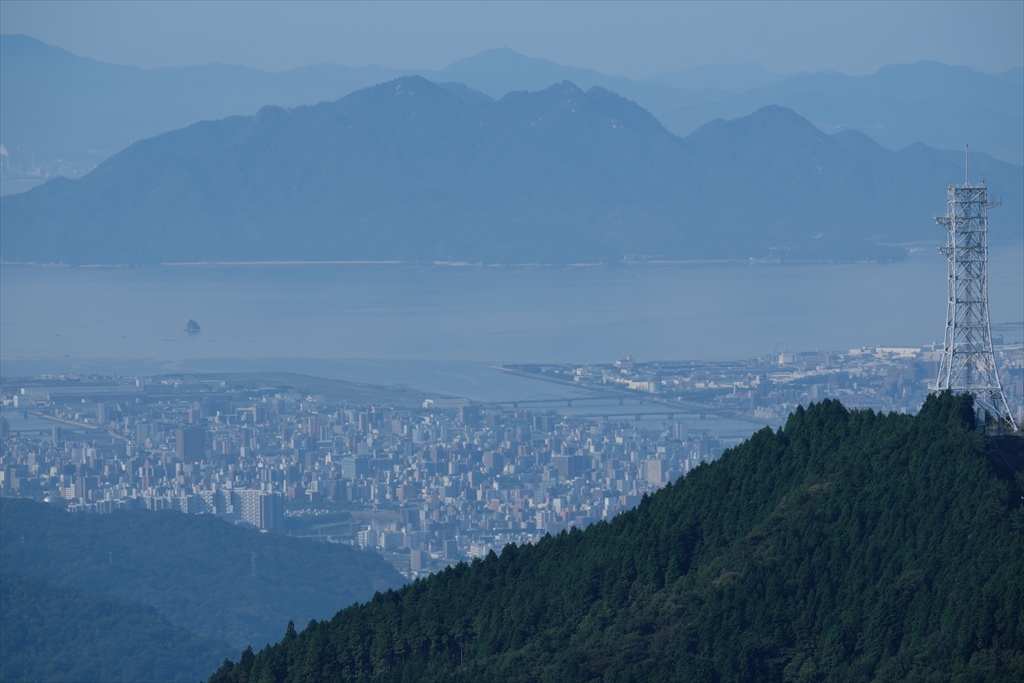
column 846, row 546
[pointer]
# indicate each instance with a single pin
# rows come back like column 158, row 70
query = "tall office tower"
column 190, row 444
column 968, row 362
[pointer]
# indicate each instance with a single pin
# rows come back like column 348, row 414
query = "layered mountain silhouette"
column 846, row 546
column 412, row 170
column 57, row 105
column 898, row 105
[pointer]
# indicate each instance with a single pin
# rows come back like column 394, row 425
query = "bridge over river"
column 653, row 406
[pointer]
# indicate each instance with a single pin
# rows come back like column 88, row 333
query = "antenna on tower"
column 967, row 176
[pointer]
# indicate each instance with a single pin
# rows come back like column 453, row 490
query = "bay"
column 439, row 328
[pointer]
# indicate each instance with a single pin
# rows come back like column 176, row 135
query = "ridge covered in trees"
column 216, row 580
column 59, row 633
column 847, row 546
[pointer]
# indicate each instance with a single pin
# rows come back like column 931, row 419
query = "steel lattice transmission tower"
column 968, row 363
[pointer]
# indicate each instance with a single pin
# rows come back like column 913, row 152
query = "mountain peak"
column 772, row 120
column 410, row 85
column 776, row 114
column 24, row 51
column 499, row 54
column 500, row 71
column 413, row 91
column 497, row 59
column 568, row 87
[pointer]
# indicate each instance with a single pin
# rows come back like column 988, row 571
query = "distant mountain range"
column 899, row 105
column 57, row 106
column 412, row 170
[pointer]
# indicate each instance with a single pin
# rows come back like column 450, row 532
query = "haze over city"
column 527, row 341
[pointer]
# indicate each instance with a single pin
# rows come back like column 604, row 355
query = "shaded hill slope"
column 203, row 574
column 57, row 633
column 410, row 170
column 848, row 546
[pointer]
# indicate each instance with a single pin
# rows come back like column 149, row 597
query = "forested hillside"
column 58, row 633
column 848, row 546
column 201, row 573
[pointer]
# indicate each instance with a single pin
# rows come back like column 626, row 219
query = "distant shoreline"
column 467, row 264
column 912, row 249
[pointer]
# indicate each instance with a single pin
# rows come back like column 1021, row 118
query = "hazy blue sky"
column 633, row 39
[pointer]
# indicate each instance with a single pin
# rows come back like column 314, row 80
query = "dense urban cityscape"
column 427, row 481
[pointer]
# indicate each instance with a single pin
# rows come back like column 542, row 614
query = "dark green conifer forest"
column 50, row 632
column 847, row 546
column 157, row 596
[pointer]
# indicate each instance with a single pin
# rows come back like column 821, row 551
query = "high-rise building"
column 355, row 467
column 262, row 509
column 569, row 466
column 190, row 444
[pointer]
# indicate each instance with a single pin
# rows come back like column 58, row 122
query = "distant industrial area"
column 427, row 481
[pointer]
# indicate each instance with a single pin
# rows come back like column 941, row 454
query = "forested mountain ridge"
column 219, row 581
column 848, row 546
column 415, row 171
column 59, row 633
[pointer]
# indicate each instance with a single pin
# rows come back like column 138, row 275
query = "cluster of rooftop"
column 426, row 484
column 767, row 389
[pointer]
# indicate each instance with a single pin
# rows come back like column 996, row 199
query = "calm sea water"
column 438, row 328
